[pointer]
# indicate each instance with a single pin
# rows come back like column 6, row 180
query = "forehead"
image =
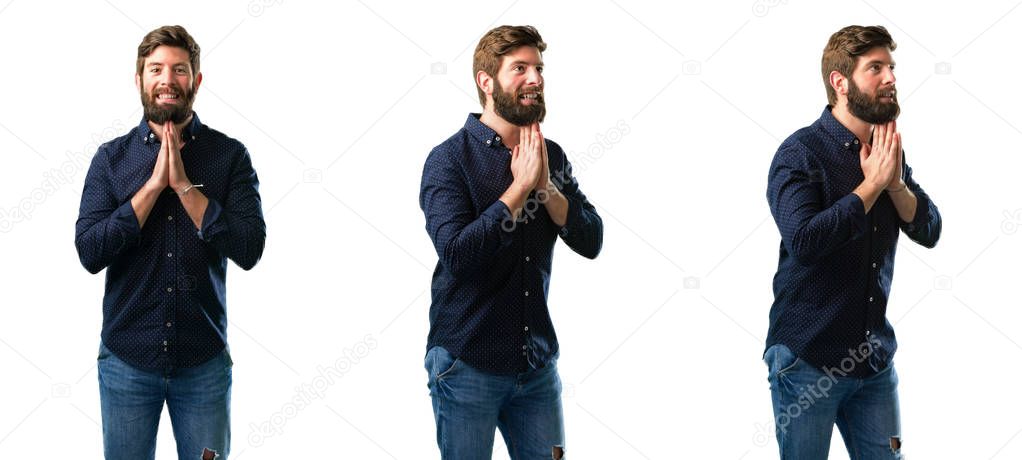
column 168, row 55
column 527, row 54
column 881, row 54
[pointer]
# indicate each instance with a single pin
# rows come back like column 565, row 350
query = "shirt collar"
column 191, row 131
column 480, row 132
column 837, row 131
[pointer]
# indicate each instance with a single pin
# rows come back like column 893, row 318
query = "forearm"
column 905, row 202
column 514, row 198
column 195, row 204
column 143, row 201
column 868, row 193
column 556, row 205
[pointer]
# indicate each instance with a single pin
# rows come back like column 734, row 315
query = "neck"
column 158, row 129
column 857, row 126
column 508, row 132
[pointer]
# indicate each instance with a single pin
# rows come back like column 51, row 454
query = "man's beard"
column 507, row 106
column 162, row 113
column 871, row 110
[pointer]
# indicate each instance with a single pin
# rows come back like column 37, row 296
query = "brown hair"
column 845, row 46
column 498, row 42
column 175, row 36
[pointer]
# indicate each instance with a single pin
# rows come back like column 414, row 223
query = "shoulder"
column 450, row 151
column 222, row 141
column 118, row 148
column 800, row 146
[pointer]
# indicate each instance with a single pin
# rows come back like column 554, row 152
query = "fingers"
column 521, row 138
column 889, row 131
column 172, row 138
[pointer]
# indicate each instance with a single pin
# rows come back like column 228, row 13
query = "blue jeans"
column 808, row 401
column 469, row 405
column 198, row 398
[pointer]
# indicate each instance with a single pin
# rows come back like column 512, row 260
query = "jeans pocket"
column 779, row 359
column 103, row 352
column 439, row 364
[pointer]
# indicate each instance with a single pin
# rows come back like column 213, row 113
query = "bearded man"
column 496, row 196
column 841, row 192
column 163, row 208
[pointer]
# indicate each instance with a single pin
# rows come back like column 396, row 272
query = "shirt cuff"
column 500, row 217
column 922, row 215
column 124, row 217
column 856, row 209
column 570, row 218
column 211, row 222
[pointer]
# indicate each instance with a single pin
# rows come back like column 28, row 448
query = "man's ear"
column 839, row 83
column 198, row 80
column 485, row 82
column 138, row 82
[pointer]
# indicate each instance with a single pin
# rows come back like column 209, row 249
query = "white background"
column 339, row 105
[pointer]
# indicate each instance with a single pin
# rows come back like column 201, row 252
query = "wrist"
column 184, row 190
column 901, row 186
column 868, row 190
column 153, row 186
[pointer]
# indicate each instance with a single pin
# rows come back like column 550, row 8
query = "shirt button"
column 526, row 258
column 170, row 254
column 488, row 142
column 526, row 328
column 164, row 343
column 526, row 293
column 856, row 141
column 874, row 228
column 170, row 217
column 871, row 299
column 874, row 265
column 168, row 323
column 497, row 138
column 524, row 353
column 525, row 347
column 847, row 144
column 170, row 289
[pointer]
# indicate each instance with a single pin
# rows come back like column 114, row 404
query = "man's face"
column 167, row 86
column 871, row 92
column 518, row 87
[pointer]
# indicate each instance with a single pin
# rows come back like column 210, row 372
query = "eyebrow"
column 878, row 61
column 540, row 64
column 178, row 64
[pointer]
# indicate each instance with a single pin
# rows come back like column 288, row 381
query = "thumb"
column 864, row 153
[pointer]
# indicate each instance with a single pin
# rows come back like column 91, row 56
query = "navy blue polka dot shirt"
column 491, row 281
column 836, row 261
column 165, row 301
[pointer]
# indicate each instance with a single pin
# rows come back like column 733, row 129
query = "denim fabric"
column 469, row 405
column 198, row 398
column 808, row 401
